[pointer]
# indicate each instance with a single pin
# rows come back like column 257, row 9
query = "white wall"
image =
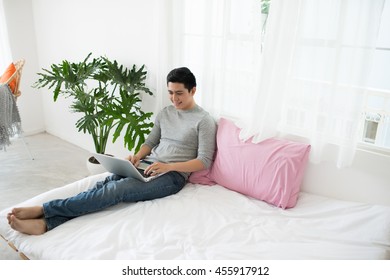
column 367, row 180
column 20, row 23
column 46, row 31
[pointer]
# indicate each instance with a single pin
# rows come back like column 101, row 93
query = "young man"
column 182, row 141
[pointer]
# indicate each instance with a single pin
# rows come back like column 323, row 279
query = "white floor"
column 55, row 163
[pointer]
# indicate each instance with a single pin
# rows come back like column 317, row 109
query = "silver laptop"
column 125, row 168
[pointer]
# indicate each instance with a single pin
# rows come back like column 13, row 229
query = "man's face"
column 180, row 97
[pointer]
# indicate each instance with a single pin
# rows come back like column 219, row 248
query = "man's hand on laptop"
column 134, row 159
column 157, row 168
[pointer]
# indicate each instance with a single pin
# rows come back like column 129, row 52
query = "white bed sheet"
column 203, row 222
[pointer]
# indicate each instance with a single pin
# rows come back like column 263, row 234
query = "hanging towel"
column 10, row 124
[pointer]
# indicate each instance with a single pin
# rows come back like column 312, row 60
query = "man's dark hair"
column 182, row 75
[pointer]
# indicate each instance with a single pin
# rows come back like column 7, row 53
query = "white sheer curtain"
column 220, row 41
column 310, row 80
column 316, row 68
column 163, row 51
column 5, row 51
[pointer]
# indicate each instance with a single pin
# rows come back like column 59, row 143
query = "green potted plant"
column 108, row 96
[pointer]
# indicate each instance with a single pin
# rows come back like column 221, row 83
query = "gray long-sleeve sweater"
column 182, row 135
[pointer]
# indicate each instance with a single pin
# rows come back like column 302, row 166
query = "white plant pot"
column 94, row 167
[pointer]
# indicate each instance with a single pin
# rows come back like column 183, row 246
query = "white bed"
column 210, row 222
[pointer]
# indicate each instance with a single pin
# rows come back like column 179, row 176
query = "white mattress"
column 211, row 222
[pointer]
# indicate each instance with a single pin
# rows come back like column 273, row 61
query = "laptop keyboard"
column 143, row 173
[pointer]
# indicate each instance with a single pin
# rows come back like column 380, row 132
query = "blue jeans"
column 113, row 190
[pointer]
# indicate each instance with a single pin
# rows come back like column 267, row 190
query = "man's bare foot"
column 32, row 226
column 9, row 217
column 26, row 213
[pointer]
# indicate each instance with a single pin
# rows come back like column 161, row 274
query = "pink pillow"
column 201, row 177
column 271, row 170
